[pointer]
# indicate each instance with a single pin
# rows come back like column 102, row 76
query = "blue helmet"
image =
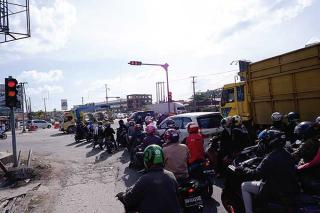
column 274, row 138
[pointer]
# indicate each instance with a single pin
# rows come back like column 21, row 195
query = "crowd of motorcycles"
column 199, row 186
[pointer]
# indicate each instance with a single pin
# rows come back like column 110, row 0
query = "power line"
column 219, row 73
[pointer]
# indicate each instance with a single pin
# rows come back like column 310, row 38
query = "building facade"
column 138, row 101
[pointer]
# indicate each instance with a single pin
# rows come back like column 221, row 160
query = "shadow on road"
column 125, row 157
column 58, row 134
column 71, row 144
column 82, row 143
column 130, row 177
column 93, row 152
column 102, row 157
column 90, row 145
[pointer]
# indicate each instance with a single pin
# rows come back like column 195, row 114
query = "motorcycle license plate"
column 209, row 171
column 194, row 201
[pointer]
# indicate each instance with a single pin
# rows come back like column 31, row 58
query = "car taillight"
column 191, row 190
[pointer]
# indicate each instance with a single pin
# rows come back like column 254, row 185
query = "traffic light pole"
column 14, row 143
column 165, row 67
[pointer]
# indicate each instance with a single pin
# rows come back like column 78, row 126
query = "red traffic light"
column 135, row 63
column 11, row 93
column 12, row 83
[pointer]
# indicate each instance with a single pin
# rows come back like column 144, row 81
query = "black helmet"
column 305, row 130
column 293, row 117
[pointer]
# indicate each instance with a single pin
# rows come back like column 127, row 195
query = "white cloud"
column 51, row 27
column 44, row 90
column 36, row 76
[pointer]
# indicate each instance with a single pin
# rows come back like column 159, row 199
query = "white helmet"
column 237, row 120
column 317, row 120
column 276, row 116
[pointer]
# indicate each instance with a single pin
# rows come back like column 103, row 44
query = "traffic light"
column 135, row 63
column 11, row 92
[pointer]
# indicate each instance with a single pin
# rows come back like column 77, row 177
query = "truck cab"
column 68, row 122
column 234, row 100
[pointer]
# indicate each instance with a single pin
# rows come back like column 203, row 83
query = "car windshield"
column 209, row 121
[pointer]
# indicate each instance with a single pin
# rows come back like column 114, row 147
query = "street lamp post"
column 165, row 67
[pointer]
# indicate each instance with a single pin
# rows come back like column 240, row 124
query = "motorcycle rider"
column 293, row 120
column 195, row 144
column 277, row 171
column 98, row 134
column 308, row 155
column 151, row 137
column 277, row 122
column 137, row 140
column 121, row 133
column 176, row 155
column 156, row 191
column 307, row 133
column 239, row 134
column 226, row 147
column 131, row 133
column 109, row 132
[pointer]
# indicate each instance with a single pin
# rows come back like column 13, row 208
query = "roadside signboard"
column 64, row 104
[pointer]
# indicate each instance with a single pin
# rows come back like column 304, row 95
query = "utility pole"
column 45, row 108
column 22, row 105
column 194, row 93
column 107, row 93
column 30, row 109
column 82, row 100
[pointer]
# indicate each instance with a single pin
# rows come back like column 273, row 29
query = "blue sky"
column 78, row 46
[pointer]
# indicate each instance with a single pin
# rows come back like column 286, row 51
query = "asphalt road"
column 81, row 179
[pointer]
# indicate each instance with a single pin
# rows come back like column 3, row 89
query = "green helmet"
column 153, row 155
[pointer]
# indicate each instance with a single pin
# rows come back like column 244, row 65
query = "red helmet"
column 192, row 127
column 171, row 136
column 150, row 129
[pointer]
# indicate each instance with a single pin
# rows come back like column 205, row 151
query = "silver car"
column 39, row 124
